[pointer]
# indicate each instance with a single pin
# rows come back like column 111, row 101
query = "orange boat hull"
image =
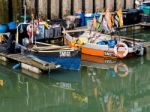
column 94, row 52
column 99, row 53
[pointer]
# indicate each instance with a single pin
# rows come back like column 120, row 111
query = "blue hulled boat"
column 67, row 58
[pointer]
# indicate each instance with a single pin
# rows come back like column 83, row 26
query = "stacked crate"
column 146, row 12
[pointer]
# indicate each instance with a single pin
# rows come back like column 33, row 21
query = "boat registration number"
column 65, row 54
column 109, row 53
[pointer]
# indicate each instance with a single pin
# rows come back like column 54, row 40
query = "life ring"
column 124, row 66
column 120, row 54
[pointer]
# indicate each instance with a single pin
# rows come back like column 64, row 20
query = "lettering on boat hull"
column 106, row 53
column 65, row 54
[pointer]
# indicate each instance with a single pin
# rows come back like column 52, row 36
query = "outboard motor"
column 25, row 42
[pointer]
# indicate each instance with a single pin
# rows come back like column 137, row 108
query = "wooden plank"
column 146, row 44
column 99, row 5
column 30, row 6
column 55, row 9
column 16, row 8
column 3, row 11
column 129, row 4
column 66, row 7
column 43, row 8
column 119, row 4
column 144, row 24
column 129, row 26
column 48, row 48
column 110, row 5
column 77, row 5
column 88, row 6
column 136, row 40
column 76, row 30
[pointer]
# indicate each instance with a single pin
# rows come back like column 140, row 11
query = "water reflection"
column 129, row 93
column 95, row 88
column 114, row 67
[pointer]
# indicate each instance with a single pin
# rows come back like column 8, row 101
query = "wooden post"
column 55, row 9
column 110, row 5
column 99, row 5
column 30, row 6
column 36, row 5
column 77, row 5
column 16, row 4
column 89, row 6
column 129, row 4
column 119, row 4
column 66, row 7
column 43, row 9
column 3, row 11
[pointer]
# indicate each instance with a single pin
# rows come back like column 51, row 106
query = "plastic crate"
column 131, row 16
column 146, row 18
column 146, row 10
column 90, row 16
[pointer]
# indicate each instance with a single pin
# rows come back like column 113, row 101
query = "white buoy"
column 3, row 58
column 31, row 68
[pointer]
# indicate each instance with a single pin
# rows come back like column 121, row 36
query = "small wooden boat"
column 102, row 45
column 68, row 58
column 54, row 50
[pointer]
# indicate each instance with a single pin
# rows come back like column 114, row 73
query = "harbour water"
column 112, row 86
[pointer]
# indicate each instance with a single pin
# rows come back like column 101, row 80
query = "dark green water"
column 95, row 88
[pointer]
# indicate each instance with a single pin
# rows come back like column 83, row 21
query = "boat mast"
column 24, row 22
column 25, row 11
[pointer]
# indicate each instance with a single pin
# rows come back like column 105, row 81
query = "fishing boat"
column 68, row 58
column 99, row 38
column 103, row 45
